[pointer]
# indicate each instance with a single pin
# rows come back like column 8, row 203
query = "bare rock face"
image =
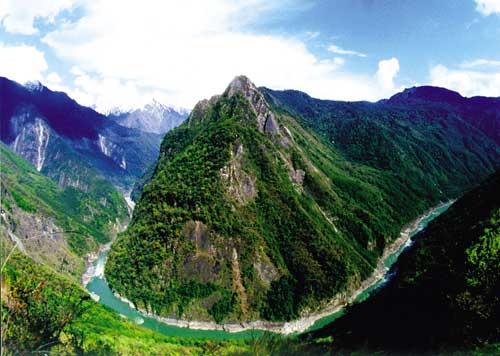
column 197, row 233
column 200, row 109
column 42, row 240
column 265, row 269
column 297, row 176
column 240, row 185
column 266, row 121
column 32, row 138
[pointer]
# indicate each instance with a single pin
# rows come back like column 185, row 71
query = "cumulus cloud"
column 21, row 63
column 387, row 71
column 127, row 52
column 105, row 94
column 467, row 82
column 340, row 50
column 488, row 7
column 17, row 16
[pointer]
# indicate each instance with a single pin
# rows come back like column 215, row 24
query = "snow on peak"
column 34, row 86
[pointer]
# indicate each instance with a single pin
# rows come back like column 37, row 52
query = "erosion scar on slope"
column 237, row 284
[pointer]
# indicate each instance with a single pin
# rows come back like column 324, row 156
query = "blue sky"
column 111, row 53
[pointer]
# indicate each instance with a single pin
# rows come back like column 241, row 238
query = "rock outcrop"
column 266, row 121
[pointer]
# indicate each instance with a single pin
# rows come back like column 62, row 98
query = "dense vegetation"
column 85, row 219
column 430, row 138
column 43, row 311
column 280, row 221
column 446, row 293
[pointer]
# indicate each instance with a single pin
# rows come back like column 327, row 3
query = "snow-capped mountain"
column 154, row 117
column 66, row 141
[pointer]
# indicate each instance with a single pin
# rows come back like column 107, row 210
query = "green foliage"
column 280, row 304
column 483, row 258
column 446, row 293
column 223, row 307
column 23, row 203
column 91, row 215
column 38, row 307
column 42, row 311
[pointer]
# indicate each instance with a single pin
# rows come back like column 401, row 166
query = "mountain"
column 56, row 226
column 424, row 135
column 480, row 112
column 426, row 94
column 69, row 142
column 446, row 290
column 154, row 118
column 270, row 205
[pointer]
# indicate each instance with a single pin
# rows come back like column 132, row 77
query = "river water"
column 99, row 287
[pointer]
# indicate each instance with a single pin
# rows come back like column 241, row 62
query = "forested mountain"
column 69, row 142
column 446, row 290
column 268, row 205
column 56, row 226
column 432, row 138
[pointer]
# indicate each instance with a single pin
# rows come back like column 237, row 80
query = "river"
column 100, row 290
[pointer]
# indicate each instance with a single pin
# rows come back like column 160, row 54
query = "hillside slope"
column 56, row 226
column 44, row 312
column 432, row 138
column 249, row 215
column 446, row 292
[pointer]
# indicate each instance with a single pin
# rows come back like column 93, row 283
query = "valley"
column 95, row 283
column 265, row 217
column 249, row 178
column 245, row 180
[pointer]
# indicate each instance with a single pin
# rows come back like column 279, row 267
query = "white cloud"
column 488, row 7
column 17, row 16
column 480, row 63
column 53, row 77
column 387, row 71
column 467, row 82
column 340, row 50
column 21, row 63
column 127, row 52
column 107, row 93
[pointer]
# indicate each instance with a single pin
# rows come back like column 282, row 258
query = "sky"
column 112, row 54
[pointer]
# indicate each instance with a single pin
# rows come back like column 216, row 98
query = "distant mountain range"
column 154, row 117
column 69, row 142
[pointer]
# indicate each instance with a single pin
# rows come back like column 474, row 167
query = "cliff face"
column 55, row 134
